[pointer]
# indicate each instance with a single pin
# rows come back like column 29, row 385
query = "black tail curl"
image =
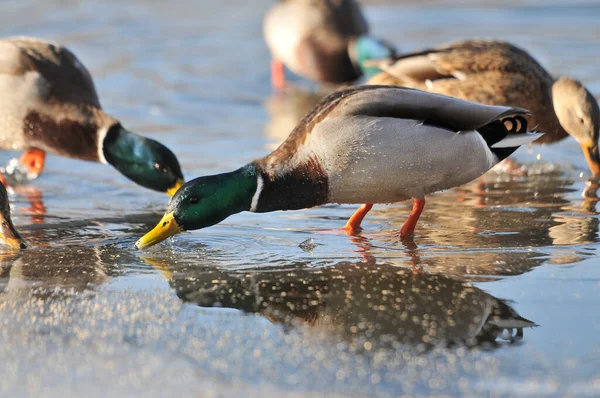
column 499, row 129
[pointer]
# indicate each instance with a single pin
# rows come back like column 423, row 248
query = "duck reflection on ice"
column 44, row 274
column 355, row 301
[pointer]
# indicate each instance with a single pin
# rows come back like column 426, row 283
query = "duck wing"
column 459, row 60
column 406, row 103
column 61, row 77
column 399, row 103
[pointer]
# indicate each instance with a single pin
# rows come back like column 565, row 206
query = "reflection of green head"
column 366, row 48
column 147, row 162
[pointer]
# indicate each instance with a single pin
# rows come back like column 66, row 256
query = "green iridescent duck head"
column 143, row 160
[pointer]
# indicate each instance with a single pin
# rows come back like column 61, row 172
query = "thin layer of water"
column 285, row 303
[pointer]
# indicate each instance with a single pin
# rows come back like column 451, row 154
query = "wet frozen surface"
column 282, row 303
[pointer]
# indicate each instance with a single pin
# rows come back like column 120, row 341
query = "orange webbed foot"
column 34, row 160
column 350, row 231
column 353, row 225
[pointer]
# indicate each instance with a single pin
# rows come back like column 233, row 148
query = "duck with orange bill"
column 364, row 145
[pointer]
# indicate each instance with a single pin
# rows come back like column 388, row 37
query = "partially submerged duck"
column 8, row 232
column 49, row 104
column 325, row 41
column 499, row 73
column 370, row 144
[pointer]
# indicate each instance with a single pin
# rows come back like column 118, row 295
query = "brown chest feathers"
column 66, row 137
column 303, row 186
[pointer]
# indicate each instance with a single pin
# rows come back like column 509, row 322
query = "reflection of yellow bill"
column 172, row 191
column 159, row 265
column 165, row 228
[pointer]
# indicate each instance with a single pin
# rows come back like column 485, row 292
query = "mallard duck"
column 49, row 104
column 8, row 232
column 371, row 144
column 498, row 73
column 325, row 41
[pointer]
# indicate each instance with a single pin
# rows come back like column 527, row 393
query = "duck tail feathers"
column 507, row 132
column 516, row 140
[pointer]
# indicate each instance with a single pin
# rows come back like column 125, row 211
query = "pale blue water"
column 241, row 308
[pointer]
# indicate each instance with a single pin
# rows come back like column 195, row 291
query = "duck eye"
column 4, row 224
column 194, row 200
column 581, row 121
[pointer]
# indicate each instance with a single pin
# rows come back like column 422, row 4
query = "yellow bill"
column 9, row 234
column 171, row 191
column 166, row 227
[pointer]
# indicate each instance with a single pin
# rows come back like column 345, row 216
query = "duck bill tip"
column 11, row 237
column 166, row 228
column 16, row 243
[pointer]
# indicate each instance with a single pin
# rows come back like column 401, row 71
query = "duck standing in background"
column 499, row 73
column 49, row 104
column 325, row 41
column 370, row 144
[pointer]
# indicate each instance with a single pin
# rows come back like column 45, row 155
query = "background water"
column 281, row 304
